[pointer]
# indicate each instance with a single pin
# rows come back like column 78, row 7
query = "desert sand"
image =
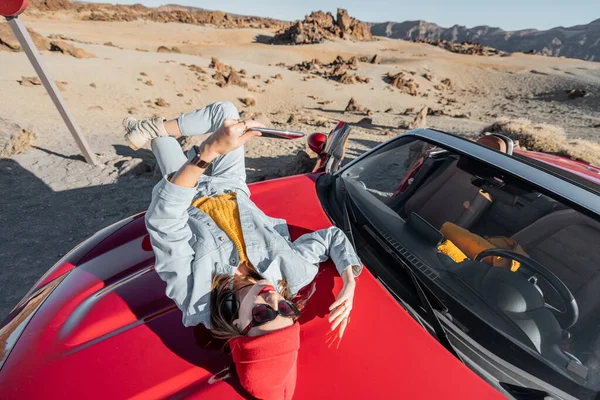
column 51, row 199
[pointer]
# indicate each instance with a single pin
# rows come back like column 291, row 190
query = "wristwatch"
column 197, row 161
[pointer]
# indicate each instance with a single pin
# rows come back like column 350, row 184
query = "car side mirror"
column 316, row 142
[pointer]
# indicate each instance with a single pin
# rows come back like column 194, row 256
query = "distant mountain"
column 581, row 41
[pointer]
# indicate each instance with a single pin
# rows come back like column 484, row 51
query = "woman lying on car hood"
column 227, row 265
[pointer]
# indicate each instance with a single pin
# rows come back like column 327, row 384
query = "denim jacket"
column 190, row 247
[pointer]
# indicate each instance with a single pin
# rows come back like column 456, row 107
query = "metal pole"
column 34, row 57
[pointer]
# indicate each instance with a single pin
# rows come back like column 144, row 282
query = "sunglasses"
column 263, row 313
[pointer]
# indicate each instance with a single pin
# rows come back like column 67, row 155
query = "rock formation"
column 14, row 139
column 8, row 41
column 51, row 5
column 319, row 26
column 186, row 15
column 66, row 48
column 248, row 101
column 225, row 74
column 462, row 48
column 354, row 107
column 401, row 81
column 338, row 70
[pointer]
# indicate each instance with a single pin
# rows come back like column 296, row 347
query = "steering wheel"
column 566, row 318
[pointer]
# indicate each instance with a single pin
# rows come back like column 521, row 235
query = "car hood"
column 107, row 330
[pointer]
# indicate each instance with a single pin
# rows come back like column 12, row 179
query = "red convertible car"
column 482, row 281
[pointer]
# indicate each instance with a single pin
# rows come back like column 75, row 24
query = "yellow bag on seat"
column 470, row 244
column 448, row 248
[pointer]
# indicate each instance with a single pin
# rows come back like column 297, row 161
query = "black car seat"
column 568, row 244
column 450, row 196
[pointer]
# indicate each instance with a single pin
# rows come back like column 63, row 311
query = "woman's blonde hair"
column 223, row 304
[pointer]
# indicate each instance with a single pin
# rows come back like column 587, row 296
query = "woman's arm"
column 170, row 234
column 320, row 245
column 231, row 135
column 316, row 247
column 167, row 217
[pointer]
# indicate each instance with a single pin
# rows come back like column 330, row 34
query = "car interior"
column 480, row 211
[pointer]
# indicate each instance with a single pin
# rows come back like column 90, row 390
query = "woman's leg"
column 209, row 119
column 205, row 120
column 169, row 155
column 172, row 128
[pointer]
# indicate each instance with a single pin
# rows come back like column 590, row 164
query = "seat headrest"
column 493, row 142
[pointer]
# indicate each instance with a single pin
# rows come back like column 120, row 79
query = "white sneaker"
column 138, row 132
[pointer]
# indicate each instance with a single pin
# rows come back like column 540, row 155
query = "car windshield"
column 509, row 251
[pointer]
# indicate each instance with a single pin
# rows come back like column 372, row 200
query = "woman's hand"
column 339, row 311
column 231, row 135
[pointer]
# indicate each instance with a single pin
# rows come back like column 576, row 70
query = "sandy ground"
column 51, row 200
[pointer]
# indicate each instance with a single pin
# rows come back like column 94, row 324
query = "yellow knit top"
column 223, row 209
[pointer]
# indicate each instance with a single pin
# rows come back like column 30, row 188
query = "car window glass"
column 477, row 208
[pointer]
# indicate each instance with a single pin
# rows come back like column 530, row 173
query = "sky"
column 506, row 14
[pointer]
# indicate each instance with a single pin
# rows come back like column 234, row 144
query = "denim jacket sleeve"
column 318, row 246
column 170, row 234
column 280, row 226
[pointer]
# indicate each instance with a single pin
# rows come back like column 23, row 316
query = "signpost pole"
column 34, row 57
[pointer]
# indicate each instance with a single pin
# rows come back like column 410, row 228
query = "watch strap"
column 197, row 161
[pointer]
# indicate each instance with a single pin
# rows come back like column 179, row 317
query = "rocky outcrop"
column 579, row 41
column 106, row 17
column 9, row 42
column 165, row 49
column 462, row 48
column 14, row 139
column 338, row 70
column 225, row 74
column 248, row 101
column 319, row 26
column 161, row 102
column 354, row 107
column 186, row 15
column 51, row 5
column 218, row 66
column 69, row 49
column 30, row 81
column 193, row 15
column 420, row 120
column 351, row 28
column 403, row 82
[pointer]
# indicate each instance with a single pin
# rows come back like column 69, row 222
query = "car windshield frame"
column 555, row 186
column 562, row 185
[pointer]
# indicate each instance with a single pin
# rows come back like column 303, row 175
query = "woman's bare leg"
column 172, row 128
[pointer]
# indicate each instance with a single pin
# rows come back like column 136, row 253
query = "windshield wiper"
column 434, row 320
column 438, row 329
